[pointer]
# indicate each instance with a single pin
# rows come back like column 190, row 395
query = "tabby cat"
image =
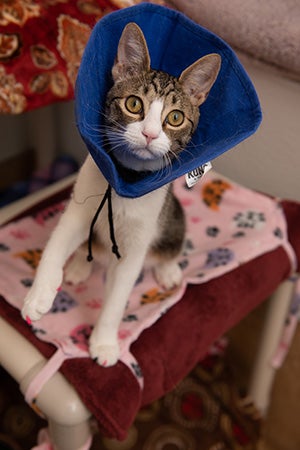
column 150, row 118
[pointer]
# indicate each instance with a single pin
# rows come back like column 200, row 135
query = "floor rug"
column 203, row 412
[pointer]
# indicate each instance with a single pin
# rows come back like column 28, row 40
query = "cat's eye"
column 134, row 104
column 175, row 118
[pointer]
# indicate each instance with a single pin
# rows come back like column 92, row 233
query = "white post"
column 263, row 371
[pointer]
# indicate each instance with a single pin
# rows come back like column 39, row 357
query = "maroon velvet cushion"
column 172, row 346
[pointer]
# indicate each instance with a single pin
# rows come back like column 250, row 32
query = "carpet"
column 205, row 411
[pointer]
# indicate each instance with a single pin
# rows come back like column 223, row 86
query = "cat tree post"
column 58, row 401
column 263, row 370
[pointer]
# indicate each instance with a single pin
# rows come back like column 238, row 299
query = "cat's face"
column 150, row 114
column 152, row 118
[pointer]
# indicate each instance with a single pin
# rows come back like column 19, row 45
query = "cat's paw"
column 37, row 302
column 78, row 269
column 41, row 295
column 168, row 275
column 105, row 355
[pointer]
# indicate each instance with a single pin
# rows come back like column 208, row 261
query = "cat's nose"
column 149, row 136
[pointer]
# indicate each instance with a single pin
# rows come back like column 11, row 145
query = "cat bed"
column 230, row 114
column 172, row 346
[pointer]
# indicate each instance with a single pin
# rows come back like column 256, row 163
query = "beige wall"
column 270, row 160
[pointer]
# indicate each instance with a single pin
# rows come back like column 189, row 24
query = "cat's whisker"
column 169, row 166
column 167, row 160
column 173, row 155
column 100, row 128
column 116, row 143
column 111, row 149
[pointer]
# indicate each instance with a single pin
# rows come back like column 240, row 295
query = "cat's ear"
column 198, row 79
column 132, row 56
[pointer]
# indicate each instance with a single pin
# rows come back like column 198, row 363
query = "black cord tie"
column 115, row 250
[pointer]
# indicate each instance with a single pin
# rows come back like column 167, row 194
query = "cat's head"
column 151, row 115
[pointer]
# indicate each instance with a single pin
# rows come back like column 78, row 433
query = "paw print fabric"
column 227, row 225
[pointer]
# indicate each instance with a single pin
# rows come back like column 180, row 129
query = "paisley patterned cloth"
column 227, row 225
column 41, row 44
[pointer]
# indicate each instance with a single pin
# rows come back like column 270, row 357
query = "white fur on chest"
column 134, row 220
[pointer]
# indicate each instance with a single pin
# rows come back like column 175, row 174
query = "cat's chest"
column 134, row 220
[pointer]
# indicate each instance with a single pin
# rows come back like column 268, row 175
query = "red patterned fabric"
column 41, row 44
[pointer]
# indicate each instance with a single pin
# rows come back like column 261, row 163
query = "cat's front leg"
column 70, row 232
column 78, row 269
column 168, row 274
column 41, row 295
column 121, row 277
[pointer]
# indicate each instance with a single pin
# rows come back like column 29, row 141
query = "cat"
column 150, row 118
